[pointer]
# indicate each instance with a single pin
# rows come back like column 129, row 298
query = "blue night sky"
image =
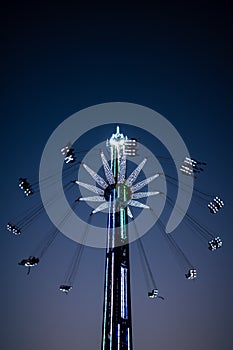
column 58, row 58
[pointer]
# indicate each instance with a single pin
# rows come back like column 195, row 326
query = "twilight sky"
column 58, row 58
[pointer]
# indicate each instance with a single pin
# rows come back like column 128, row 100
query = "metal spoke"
column 144, row 194
column 107, row 170
column 92, row 199
column 100, row 181
column 133, row 176
column 100, row 208
column 143, row 183
column 121, row 174
column 138, row 204
column 90, row 187
column 129, row 212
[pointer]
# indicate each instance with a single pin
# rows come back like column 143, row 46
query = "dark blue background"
column 58, row 58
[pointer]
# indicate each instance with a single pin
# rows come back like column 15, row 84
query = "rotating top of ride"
column 122, row 144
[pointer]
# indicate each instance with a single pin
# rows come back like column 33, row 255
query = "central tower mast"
column 117, row 194
column 117, row 322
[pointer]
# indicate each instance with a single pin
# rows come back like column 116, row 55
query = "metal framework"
column 117, row 322
column 117, row 194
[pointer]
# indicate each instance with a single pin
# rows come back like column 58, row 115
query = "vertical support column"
column 117, row 323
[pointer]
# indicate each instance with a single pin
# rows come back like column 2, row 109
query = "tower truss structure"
column 117, row 194
column 117, row 319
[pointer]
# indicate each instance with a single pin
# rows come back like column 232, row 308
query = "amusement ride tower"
column 117, row 195
column 117, row 324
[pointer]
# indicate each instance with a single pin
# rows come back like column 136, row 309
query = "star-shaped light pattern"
column 126, row 190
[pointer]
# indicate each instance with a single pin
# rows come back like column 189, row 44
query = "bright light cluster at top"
column 124, row 188
column 125, row 146
column 117, row 139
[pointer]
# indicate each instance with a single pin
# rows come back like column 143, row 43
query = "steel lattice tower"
column 116, row 195
column 117, row 322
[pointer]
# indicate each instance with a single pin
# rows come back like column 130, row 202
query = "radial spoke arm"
column 144, row 194
column 129, row 212
column 138, row 204
column 92, row 199
column 100, row 181
column 107, row 170
column 133, row 176
column 121, row 174
column 90, row 187
column 100, row 207
column 143, row 183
